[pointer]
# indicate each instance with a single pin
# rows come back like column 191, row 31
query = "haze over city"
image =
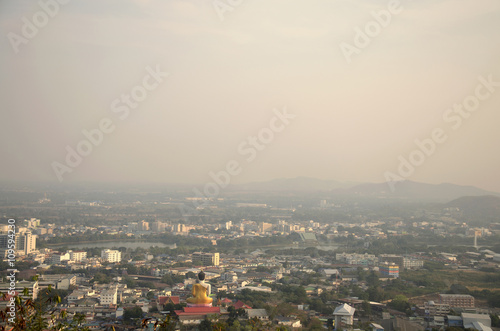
column 230, row 70
column 249, row 165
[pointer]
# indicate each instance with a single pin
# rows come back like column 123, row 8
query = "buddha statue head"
column 201, row 276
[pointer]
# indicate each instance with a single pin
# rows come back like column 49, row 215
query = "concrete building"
column 25, row 242
column 75, row 295
column 376, row 327
column 291, row 322
column 194, row 315
column 158, row 226
column 391, row 258
column 143, row 226
column 455, row 321
column 481, row 322
column 206, row 258
column 457, row 300
column 110, row 255
column 77, row 256
column 308, row 237
column 264, row 227
column 32, row 223
column 58, row 281
column 412, row 263
column 390, row 270
column 344, row 316
column 58, row 258
column 20, row 286
column 404, row 262
column 230, row 276
column 330, row 272
column 436, row 309
column 41, row 231
column 108, row 297
column 182, row 228
column 357, row 259
column 260, row 314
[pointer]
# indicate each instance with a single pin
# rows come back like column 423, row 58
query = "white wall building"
column 77, row 256
column 57, row 258
column 25, row 241
column 108, row 297
column 344, row 316
column 112, row 256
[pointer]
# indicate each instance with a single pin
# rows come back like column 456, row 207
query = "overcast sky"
column 230, row 70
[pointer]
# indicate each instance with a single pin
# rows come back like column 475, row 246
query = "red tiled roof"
column 240, row 304
column 168, row 299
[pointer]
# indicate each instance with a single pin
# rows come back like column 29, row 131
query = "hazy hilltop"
column 293, row 184
column 410, row 190
column 478, row 209
column 403, row 190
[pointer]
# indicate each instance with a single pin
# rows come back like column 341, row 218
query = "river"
column 117, row 244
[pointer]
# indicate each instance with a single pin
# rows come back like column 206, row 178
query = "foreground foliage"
column 25, row 314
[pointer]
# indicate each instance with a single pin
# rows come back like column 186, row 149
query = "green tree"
column 376, row 294
column 372, row 279
column 315, row 324
column 38, row 315
column 495, row 320
column 367, row 308
column 135, row 312
column 205, row 325
column 400, row 303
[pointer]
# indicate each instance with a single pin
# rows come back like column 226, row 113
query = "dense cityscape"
column 310, row 260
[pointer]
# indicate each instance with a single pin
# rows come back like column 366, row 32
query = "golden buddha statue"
column 199, row 293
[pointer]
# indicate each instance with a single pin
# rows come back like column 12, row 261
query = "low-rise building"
column 481, row 322
column 457, row 300
column 344, row 316
column 110, row 255
column 260, row 314
column 108, row 297
column 57, row 258
column 77, row 256
column 436, row 309
column 207, row 258
column 58, row 281
column 20, row 286
column 389, row 270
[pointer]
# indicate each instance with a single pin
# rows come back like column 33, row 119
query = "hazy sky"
column 230, row 70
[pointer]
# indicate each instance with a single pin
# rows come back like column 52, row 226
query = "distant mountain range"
column 486, row 208
column 293, row 184
column 407, row 190
column 419, row 191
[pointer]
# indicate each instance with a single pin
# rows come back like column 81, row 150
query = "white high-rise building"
column 25, row 242
column 110, row 255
